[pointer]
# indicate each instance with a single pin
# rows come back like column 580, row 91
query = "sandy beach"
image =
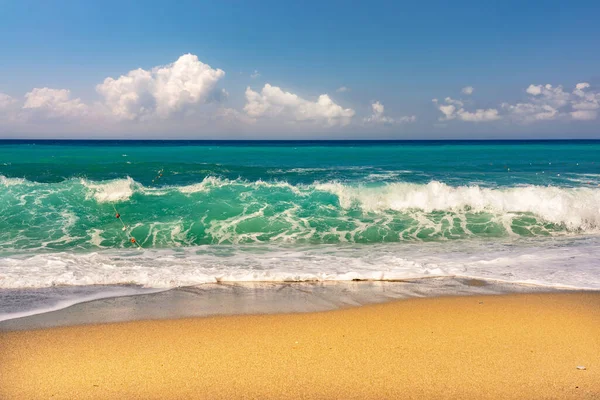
column 510, row 346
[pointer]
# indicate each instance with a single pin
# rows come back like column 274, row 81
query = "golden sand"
column 514, row 346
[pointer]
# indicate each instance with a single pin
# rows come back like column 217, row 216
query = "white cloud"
column 454, row 109
column 584, row 115
column 585, row 105
column 6, row 101
column 448, row 111
column 232, row 115
column 480, row 115
column 549, row 102
column 552, row 96
column 585, row 100
column 534, row 90
column 455, row 102
column 530, row 112
column 162, row 91
column 54, row 103
column 155, row 98
column 9, row 108
column 544, row 103
column 272, row 102
column 377, row 116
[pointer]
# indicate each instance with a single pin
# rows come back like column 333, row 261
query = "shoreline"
column 505, row 346
column 243, row 298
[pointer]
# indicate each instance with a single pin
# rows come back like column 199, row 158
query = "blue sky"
column 393, row 58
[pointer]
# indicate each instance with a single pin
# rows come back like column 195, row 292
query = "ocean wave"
column 564, row 264
column 4, row 181
column 576, row 208
column 78, row 213
column 111, row 191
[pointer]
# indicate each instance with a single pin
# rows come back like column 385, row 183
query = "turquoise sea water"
column 206, row 211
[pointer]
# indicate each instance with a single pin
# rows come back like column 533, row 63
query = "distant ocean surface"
column 202, row 212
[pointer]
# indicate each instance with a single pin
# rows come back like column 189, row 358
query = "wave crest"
column 236, row 211
column 110, row 191
column 576, row 208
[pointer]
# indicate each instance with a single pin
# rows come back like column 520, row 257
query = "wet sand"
column 236, row 298
column 508, row 346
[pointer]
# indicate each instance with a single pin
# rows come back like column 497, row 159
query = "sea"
column 83, row 220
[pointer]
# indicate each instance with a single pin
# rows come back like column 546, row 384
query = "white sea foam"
column 110, row 191
column 96, row 237
column 576, row 208
column 204, row 186
column 210, row 182
column 548, row 262
column 12, row 181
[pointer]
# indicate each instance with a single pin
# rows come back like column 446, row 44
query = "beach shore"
column 518, row 346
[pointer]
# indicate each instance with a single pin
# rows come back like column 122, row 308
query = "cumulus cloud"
column 544, row 103
column 585, row 103
column 547, row 102
column 6, row 101
column 378, row 116
column 161, row 91
column 272, row 102
column 54, row 103
column 479, row 115
column 454, row 109
column 553, row 96
column 155, row 98
column 530, row 112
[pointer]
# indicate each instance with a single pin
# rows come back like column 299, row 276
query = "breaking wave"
column 565, row 262
column 79, row 213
